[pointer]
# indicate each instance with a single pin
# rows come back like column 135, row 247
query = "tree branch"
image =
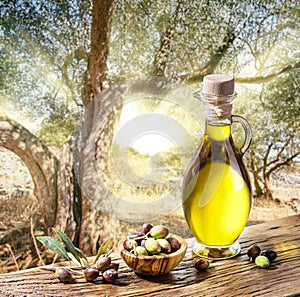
column 265, row 159
column 265, row 163
column 285, row 162
column 214, row 60
column 266, row 78
column 163, row 53
column 279, row 154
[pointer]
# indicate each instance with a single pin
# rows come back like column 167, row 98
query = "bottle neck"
column 218, row 133
column 217, row 109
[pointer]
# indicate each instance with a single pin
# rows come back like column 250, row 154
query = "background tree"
column 277, row 145
column 44, row 54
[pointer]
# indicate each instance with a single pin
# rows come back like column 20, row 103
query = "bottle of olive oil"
column 216, row 187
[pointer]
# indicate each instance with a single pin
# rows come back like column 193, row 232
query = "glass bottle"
column 216, row 187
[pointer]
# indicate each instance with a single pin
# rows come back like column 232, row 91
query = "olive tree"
column 275, row 124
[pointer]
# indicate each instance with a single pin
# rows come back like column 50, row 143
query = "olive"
column 253, row 252
column 64, row 275
column 136, row 235
column 140, row 250
column 90, row 273
column 161, row 254
column 151, row 240
column 143, row 242
column 165, row 245
column 114, row 266
column 271, row 255
column 175, row 244
column 159, row 231
column 262, row 261
column 152, row 246
column 110, row 275
column 201, row 264
column 103, row 263
column 146, row 228
column 130, row 244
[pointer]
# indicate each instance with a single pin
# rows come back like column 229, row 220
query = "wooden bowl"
column 153, row 265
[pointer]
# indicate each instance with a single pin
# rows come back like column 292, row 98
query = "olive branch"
column 65, row 248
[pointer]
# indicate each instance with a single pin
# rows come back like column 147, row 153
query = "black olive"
column 271, row 255
column 253, row 252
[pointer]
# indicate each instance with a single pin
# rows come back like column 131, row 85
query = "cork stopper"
column 218, row 85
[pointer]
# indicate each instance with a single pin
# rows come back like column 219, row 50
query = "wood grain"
column 234, row 277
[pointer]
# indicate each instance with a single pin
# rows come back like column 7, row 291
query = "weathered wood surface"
column 234, row 277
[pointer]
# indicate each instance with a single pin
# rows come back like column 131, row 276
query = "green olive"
column 262, row 261
column 152, row 246
column 140, row 250
column 159, row 231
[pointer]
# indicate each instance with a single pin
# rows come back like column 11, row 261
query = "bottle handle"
column 247, row 129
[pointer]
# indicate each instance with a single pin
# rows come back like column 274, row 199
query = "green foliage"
column 54, row 245
column 282, row 99
column 44, row 57
column 45, row 47
column 273, row 109
column 60, row 123
column 274, row 114
column 69, row 244
column 223, row 36
column 102, row 250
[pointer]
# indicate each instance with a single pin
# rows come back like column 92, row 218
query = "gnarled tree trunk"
column 69, row 205
column 55, row 186
column 41, row 163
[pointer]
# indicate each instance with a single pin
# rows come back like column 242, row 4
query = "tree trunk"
column 69, row 208
column 41, row 163
column 94, row 221
column 99, row 46
column 253, row 169
column 92, row 156
column 258, row 189
column 267, row 189
column 164, row 51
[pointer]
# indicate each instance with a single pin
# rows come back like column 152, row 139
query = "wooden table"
column 234, row 277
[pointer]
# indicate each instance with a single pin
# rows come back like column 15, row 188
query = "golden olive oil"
column 217, row 194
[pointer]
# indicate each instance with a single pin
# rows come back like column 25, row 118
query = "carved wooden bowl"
column 153, row 265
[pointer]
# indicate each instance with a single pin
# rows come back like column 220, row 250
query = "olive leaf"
column 103, row 247
column 69, row 244
column 81, row 253
column 54, row 245
column 74, row 259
